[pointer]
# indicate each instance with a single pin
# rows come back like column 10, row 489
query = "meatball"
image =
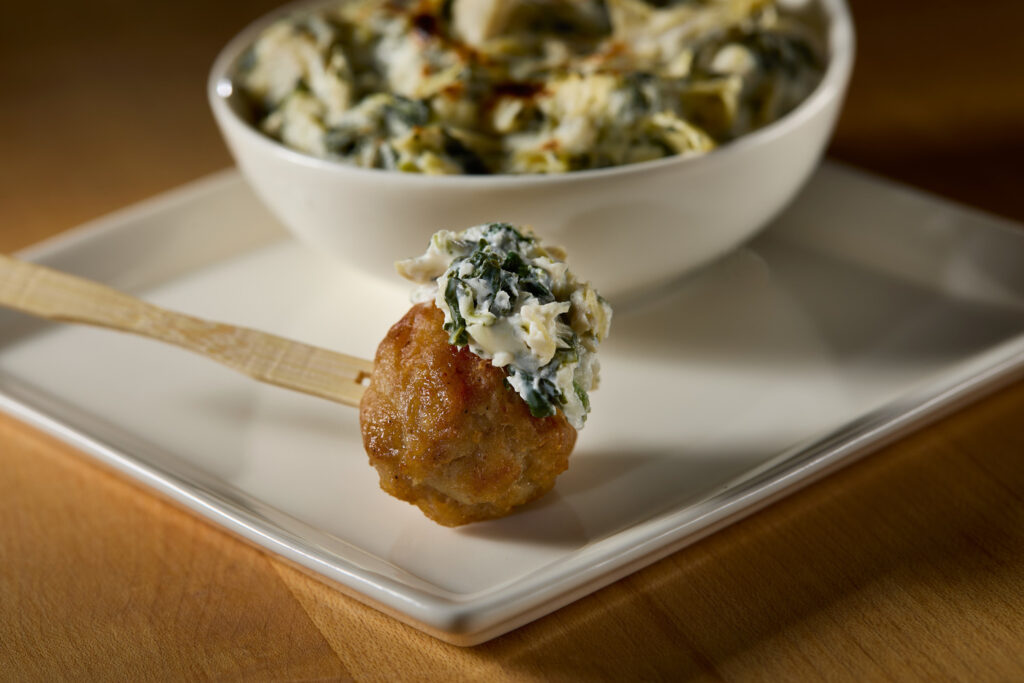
column 446, row 433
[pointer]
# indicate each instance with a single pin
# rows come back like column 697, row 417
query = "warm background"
column 908, row 565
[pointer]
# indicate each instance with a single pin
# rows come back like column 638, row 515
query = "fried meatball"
column 446, row 433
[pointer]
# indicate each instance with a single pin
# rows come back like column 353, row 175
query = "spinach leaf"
column 456, row 329
column 539, row 392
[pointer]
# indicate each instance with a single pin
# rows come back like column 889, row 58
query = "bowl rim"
column 841, row 51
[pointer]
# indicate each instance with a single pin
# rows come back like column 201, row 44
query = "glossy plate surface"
column 865, row 311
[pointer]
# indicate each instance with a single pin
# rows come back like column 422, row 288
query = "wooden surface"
column 909, row 565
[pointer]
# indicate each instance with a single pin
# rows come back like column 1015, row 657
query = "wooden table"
column 908, row 565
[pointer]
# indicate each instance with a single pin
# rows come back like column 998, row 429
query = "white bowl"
column 626, row 228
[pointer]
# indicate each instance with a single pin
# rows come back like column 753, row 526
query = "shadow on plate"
column 783, row 306
column 606, row 491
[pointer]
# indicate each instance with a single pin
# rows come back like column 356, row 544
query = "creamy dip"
column 515, row 302
column 526, row 86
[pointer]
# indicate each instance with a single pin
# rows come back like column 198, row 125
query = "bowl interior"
column 830, row 18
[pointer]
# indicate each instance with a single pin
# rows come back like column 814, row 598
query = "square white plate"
column 864, row 311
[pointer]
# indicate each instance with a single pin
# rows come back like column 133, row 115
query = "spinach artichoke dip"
column 515, row 303
column 526, row 86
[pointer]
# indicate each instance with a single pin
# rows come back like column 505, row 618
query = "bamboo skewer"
column 50, row 294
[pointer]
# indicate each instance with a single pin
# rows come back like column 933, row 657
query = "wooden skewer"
column 47, row 293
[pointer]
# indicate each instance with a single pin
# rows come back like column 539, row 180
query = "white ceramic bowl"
column 626, row 228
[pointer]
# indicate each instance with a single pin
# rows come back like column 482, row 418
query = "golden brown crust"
column 447, row 434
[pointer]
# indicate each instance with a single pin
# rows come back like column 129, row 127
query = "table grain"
column 908, row 565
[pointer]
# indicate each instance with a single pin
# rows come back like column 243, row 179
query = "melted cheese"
column 506, row 87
